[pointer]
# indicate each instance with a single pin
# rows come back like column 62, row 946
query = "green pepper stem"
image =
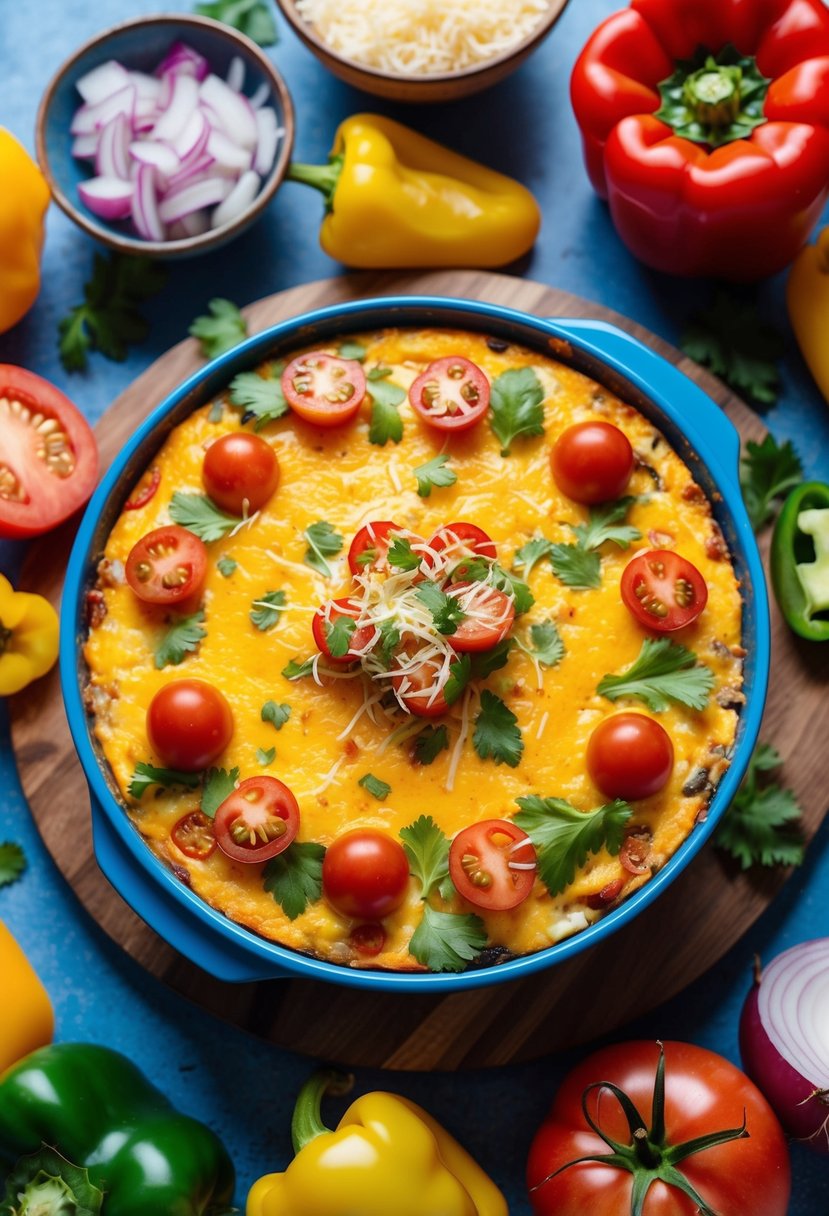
column 322, row 177
column 713, row 94
column 307, row 1123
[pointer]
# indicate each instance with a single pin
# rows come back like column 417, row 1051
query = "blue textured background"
column 242, row 1087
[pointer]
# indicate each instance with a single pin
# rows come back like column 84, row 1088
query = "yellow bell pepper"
column 807, row 295
column 386, row 1158
column 28, row 638
column 26, row 1018
column 24, row 197
column 395, row 199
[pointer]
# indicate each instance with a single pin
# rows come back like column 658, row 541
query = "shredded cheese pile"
column 422, row 37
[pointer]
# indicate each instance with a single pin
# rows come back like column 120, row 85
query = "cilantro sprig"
column 446, row 611
column 731, row 339
column 530, row 554
column 266, row 611
column 386, row 424
column 294, row 878
column 251, row 17
column 259, row 395
column 298, row 671
column 497, row 735
column 434, row 473
column 219, row 783
column 276, row 714
column 761, row 827
column 664, row 671
column 516, row 406
column 546, row 646
column 447, row 941
column 109, row 320
column 578, row 565
column 12, row 862
column 768, row 470
column 220, row 329
column 147, row 775
column 181, row 638
column 323, row 542
column 563, row 835
column 200, row 515
column 477, row 569
column 428, row 745
column 338, row 635
column 427, row 848
column 399, row 554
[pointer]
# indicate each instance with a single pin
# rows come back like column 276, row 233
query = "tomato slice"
column 257, row 821
column 489, row 616
column 48, row 456
column 326, row 618
column 324, row 389
column 419, row 688
column 167, row 566
column 493, row 864
column 193, row 836
column 368, row 939
column 240, row 472
column 371, row 544
column 456, row 541
column 451, row 395
column 144, row 492
column 663, row 590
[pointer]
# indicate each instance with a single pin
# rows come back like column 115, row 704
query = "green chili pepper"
column 116, row 1145
column 800, row 561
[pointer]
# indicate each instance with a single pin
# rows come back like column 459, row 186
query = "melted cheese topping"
column 336, row 734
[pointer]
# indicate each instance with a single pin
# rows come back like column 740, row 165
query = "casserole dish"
column 692, row 424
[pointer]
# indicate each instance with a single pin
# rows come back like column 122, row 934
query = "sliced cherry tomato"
column 368, row 939
column 189, row 725
column 630, row 756
column 420, row 687
column 493, row 864
column 326, row 618
column 194, row 837
column 663, row 590
column 592, row 462
column 144, row 492
column 365, row 874
column 167, row 566
column 635, row 853
column 240, row 472
column 48, row 456
column 456, row 541
column 451, row 395
column 489, row 616
column 371, row 544
column 257, row 821
column 324, row 389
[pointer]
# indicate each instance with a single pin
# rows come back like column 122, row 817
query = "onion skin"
column 799, row 1105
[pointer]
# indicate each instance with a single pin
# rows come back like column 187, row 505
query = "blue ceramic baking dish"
column 692, row 423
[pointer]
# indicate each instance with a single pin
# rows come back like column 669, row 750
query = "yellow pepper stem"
column 322, row 177
column 307, row 1123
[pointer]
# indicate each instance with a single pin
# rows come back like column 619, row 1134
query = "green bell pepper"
column 116, row 1144
column 800, row 561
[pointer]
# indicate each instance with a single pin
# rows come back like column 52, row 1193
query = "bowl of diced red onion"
column 165, row 136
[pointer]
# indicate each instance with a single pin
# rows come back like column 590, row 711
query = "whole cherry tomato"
column 663, row 590
column 630, row 756
column 592, row 462
column 324, row 389
column 365, row 874
column 240, row 472
column 420, row 687
column 492, row 864
column 189, row 725
column 167, row 566
column 257, row 821
column 451, row 395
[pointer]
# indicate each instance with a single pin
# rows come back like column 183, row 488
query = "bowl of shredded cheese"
column 422, row 50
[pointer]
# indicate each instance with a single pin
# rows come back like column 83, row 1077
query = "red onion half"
column 784, row 1040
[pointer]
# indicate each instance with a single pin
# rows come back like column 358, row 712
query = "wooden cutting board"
column 670, row 944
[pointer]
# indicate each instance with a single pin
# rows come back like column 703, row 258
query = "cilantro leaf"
column 221, row 329
column 294, row 878
column 266, row 611
column 497, row 734
column 447, row 941
column 251, row 17
column 297, row 671
column 603, row 525
column 338, row 635
column 389, row 640
column 547, row 647
column 460, row 673
column 768, row 470
column 199, row 515
column 427, row 849
column 487, row 661
column 12, row 862
column 109, row 320
column 259, row 396
column 219, row 783
column 532, row 552
column 352, row 350
column 277, row 715
column 374, row 786
column 428, row 745
column 563, row 836
column 323, row 542
column 731, row 340
column 264, row 757
column 516, row 405
column 226, row 566
column 663, row 672
column 181, row 638
column 146, row 775
column 434, row 473
column 576, row 567
column 446, row 612
column 386, row 423
column 399, row 554
column 761, row 827
column 477, row 569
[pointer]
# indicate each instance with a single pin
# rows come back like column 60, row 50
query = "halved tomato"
column 167, row 566
column 488, row 620
column 493, row 864
column 48, row 455
column 324, row 389
column 371, row 544
column 451, row 395
column 663, row 590
column 458, row 540
column 193, row 836
column 420, row 686
column 257, row 821
column 325, row 621
column 368, row 939
column 145, row 491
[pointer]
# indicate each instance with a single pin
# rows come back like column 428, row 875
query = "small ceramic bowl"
column 444, row 86
column 140, row 45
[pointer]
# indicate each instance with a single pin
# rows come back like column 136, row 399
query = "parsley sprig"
column 259, row 395
column 109, row 320
column 427, row 849
column 663, row 672
column 563, row 835
column 386, row 423
column 266, row 611
column 497, row 735
column 219, row 783
column 761, row 827
column 220, row 329
column 477, row 569
column 435, row 472
column 181, row 638
column 731, row 339
column 546, row 646
column 428, row 745
column 578, row 565
column 147, row 775
column 200, row 515
column 768, row 470
column 338, row 635
column 323, row 542
column 294, row 878
column 530, row 554
column 251, row 17
column 399, row 554
column 443, row 941
column 516, row 406
column 446, row 611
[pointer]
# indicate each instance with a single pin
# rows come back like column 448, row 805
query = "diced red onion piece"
column 232, row 110
column 192, row 139
column 146, row 87
column 260, row 96
column 193, row 197
column 112, row 158
column 84, row 147
column 183, row 102
column 161, row 156
column 235, row 78
column 194, row 170
column 182, row 58
column 194, row 224
column 93, row 117
column 102, row 82
column 107, row 197
column 227, row 153
column 239, row 199
column 268, row 138
column 145, row 207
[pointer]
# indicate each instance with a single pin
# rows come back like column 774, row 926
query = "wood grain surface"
column 670, row 944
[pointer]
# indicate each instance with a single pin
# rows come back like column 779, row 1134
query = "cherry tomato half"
column 189, row 725
column 325, row 620
column 663, row 590
column 368, row 939
column 167, row 566
column 458, row 540
column 630, row 756
column 592, row 462
column 145, row 491
column 451, row 395
column 365, row 874
column 49, row 460
column 240, row 472
column 324, row 389
column 257, row 821
column 420, row 687
column 493, row 864
column 194, row 837
column 371, row 544
column 489, row 619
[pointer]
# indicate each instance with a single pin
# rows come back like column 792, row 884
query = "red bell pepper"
column 706, row 127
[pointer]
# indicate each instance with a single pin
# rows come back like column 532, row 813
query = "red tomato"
column 592, row 462
column 324, row 389
column 324, row 620
column 459, row 540
column 487, row 864
column 189, row 725
column 703, row 1094
column 240, row 472
column 420, row 688
column 451, row 395
column 145, row 491
column 630, row 756
column 368, row 939
column 365, row 874
column 167, row 566
column 193, row 836
column 48, row 457
column 490, row 614
column 371, row 544
column 257, row 821
column 663, row 590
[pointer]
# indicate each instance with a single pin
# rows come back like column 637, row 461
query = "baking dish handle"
column 163, row 914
